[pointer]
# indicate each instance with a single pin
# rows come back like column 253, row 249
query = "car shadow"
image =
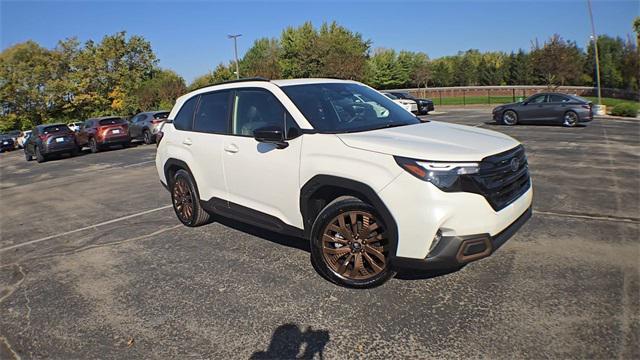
column 288, row 340
column 303, row 244
column 274, row 237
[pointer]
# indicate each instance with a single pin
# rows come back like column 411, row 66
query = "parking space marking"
column 140, row 163
column 84, row 228
column 589, row 217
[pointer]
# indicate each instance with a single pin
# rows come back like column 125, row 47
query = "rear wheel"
column 93, row 145
column 186, row 201
column 147, row 137
column 349, row 244
column 39, row 155
column 570, row 119
column 509, row 117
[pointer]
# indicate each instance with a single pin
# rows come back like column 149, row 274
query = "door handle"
column 187, row 142
column 231, row 148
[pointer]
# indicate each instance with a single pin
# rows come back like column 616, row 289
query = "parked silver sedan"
column 568, row 110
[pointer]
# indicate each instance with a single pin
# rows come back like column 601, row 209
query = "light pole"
column 595, row 47
column 235, row 50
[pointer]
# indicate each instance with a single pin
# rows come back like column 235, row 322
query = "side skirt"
column 250, row 216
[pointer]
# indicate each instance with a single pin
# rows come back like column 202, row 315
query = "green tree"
column 262, row 59
column 25, row 71
column 299, row 52
column 341, row 52
column 220, row 74
column 383, row 71
column 161, row 91
column 518, row 69
column 557, row 62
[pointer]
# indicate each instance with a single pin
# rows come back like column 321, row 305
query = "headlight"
column 444, row 175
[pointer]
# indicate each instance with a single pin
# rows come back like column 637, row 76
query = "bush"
column 625, row 109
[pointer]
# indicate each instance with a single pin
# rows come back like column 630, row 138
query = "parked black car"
column 568, row 110
column 50, row 139
column 424, row 105
column 6, row 143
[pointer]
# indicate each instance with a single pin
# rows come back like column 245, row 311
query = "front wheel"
column 350, row 245
column 509, row 117
column 570, row 119
column 186, row 201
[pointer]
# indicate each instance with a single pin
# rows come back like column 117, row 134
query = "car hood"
column 433, row 140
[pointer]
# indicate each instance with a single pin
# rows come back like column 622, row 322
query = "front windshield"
column 347, row 107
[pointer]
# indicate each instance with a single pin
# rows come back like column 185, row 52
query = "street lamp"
column 595, row 47
column 235, row 48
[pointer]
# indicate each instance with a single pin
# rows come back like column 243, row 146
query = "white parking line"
column 136, row 164
column 588, row 217
column 84, row 228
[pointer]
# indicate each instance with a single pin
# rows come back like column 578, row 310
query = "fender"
column 181, row 164
column 358, row 189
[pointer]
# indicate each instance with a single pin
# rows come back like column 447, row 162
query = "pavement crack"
column 8, row 347
column 95, row 246
column 14, row 287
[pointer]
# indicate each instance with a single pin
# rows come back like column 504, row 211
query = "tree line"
column 120, row 74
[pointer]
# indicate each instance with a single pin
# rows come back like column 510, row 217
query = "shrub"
column 625, row 109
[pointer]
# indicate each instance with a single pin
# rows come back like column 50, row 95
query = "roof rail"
column 257, row 78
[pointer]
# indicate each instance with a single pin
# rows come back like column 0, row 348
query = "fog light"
column 436, row 240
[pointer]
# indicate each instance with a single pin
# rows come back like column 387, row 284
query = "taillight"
column 43, row 137
column 588, row 107
column 156, row 121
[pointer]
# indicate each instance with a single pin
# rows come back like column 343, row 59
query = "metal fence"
column 467, row 95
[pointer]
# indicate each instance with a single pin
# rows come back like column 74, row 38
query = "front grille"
column 500, row 180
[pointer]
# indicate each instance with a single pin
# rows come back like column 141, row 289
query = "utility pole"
column 235, row 49
column 595, row 47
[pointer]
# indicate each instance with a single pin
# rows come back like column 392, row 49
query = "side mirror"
column 271, row 135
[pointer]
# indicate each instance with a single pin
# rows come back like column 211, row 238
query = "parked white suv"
column 373, row 191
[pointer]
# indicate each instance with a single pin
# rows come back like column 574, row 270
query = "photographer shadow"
column 288, row 340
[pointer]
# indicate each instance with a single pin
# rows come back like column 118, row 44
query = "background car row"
column 48, row 140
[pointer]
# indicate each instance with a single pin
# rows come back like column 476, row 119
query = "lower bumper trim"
column 455, row 251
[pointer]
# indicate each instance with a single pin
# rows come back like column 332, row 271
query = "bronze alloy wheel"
column 354, row 245
column 183, row 200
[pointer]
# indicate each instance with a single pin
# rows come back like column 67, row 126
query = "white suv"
column 373, row 191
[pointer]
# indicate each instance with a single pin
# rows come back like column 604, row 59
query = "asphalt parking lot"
column 95, row 264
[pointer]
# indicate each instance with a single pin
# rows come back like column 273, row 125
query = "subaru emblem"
column 515, row 164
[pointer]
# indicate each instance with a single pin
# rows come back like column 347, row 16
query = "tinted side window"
column 212, row 115
column 184, row 118
column 538, row 99
column 256, row 108
column 557, row 98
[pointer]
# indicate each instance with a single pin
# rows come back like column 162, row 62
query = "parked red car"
column 100, row 133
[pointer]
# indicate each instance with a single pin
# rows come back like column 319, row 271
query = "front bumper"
column 455, row 251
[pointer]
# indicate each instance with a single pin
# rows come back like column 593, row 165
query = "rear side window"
column 56, row 129
column 162, row 115
column 557, row 98
column 184, row 119
column 212, row 115
column 112, row 121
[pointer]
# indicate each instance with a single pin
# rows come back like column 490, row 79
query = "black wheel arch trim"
column 181, row 165
column 358, row 189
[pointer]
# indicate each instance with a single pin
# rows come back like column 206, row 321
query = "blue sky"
column 190, row 37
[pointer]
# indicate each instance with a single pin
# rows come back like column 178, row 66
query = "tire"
column 40, row 158
column 93, row 145
column 186, row 200
column 352, row 260
column 75, row 151
column 509, row 118
column 27, row 156
column 147, row 137
column 570, row 119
